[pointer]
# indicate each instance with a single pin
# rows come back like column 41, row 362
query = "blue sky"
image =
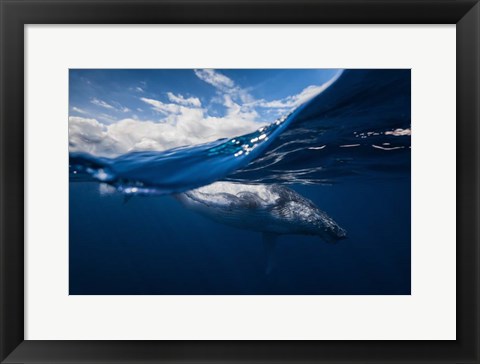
column 114, row 111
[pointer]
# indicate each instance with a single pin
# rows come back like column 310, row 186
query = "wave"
column 359, row 126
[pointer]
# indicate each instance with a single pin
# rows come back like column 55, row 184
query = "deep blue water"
column 347, row 150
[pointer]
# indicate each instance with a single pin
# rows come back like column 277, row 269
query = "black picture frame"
column 17, row 13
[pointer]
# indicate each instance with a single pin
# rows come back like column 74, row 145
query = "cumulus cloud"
column 90, row 136
column 128, row 135
column 183, row 119
column 174, row 113
column 106, row 118
column 237, row 111
column 184, row 122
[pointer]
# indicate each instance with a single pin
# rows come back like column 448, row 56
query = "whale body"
column 270, row 209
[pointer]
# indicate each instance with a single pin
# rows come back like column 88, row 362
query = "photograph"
column 239, row 181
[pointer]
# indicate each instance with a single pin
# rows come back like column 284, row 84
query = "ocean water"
column 347, row 151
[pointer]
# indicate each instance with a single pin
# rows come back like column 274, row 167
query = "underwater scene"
column 239, row 181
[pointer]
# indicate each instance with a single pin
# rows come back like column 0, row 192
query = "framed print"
column 239, row 181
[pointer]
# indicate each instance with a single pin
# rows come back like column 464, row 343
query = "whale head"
column 327, row 229
column 307, row 218
column 299, row 215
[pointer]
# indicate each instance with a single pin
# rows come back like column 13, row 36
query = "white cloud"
column 78, row 110
column 127, row 135
column 224, row 84
column 294, row 101
column 215, row 79
column 106, row 118
column 183, row 109
column 118, row 107
column 162, row 107
column 90, row 136
column 184, row 121
column 136, row 89
column 102, row 103
column 175, row 112
column 241, row 112
column 179, row 99
column 237, row 100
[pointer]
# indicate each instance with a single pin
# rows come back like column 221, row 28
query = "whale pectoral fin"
column 269, row 243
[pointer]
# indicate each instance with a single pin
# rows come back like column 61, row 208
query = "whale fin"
column 269, row 243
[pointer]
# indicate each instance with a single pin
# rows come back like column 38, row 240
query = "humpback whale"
column 270, row 209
